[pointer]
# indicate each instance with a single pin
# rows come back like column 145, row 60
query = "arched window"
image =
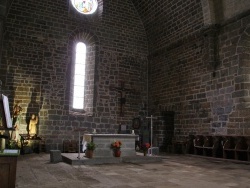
column 84, row 50
column 85, row 6
column 79, row 76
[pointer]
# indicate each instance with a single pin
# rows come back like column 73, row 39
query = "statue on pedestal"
column 33, row 125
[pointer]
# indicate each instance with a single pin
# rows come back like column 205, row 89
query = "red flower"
column 116, row 145
column 145, row 146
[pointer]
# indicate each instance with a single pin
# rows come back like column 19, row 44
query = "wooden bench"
column 237, row 147
column 208, row 146
column 190, row 144
column 242, row 149
column 228, row 147
column 70, row 146
column 198, row 145
column 217, row 146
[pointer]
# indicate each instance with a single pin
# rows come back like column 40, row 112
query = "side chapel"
column 105, row 65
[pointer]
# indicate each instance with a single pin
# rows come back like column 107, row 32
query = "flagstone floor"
column 176, row 171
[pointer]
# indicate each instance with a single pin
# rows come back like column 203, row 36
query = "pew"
column 198, row 145
column 220, row 146
column 208, row 146
column 229, row 147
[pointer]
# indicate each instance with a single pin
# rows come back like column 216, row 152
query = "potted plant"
column 145, row 147
column 90, row 149
column 116, row 146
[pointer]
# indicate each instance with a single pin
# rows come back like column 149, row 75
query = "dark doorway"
column 168, row 119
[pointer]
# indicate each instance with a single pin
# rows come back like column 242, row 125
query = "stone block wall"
column 199, row 69
column 190, row 57
column 203, row 78
column 37, row 57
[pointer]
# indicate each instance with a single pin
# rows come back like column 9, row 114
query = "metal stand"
column 151, row 132
column 79, row 141
column 79, row 144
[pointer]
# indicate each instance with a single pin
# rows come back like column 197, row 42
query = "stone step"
column 72, row 159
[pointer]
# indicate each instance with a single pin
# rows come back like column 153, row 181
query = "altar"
column 103, row 143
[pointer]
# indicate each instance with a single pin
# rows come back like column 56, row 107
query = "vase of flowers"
column 116, row 146
column 90, row 149
column 145, row 147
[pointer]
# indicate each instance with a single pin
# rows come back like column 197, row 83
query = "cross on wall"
column 123, row 91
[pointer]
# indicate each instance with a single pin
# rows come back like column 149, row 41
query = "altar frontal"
column 103, row 144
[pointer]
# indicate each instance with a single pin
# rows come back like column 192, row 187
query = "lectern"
column 8, row 163
column 8, row 157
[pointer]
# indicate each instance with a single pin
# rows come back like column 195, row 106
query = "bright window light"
column 85, row 6
column 79, row 76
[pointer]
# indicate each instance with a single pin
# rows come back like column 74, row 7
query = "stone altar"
column 103, row 143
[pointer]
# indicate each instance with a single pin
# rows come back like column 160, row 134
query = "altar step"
column 72, row 159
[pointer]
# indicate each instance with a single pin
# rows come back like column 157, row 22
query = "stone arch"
column 92, row 43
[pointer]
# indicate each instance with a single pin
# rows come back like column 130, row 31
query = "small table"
column 25, row 138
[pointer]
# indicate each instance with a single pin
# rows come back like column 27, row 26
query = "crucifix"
column 123, row 91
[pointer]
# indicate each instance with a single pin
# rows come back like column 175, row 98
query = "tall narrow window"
column 84, row 49
column 79, row 76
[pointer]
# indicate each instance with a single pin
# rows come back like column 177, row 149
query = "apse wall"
column 36, row 65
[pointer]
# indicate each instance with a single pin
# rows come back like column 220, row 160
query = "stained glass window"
column 85, row 6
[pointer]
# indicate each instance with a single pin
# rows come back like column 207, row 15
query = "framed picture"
column 7, row 111
column 2, row 117
column 136, row 124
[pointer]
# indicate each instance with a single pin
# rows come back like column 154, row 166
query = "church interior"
column 170, row 74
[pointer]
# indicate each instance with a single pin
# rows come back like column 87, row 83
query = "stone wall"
column 198, row 67
column 233, row 8
column 196, row 52
column 37, row 58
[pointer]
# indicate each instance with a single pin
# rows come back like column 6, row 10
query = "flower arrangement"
column 116, row 145
column 145, row 146
column 91, row 146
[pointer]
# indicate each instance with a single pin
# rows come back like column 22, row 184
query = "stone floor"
column 175, row 171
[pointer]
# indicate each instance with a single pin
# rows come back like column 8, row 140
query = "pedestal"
column 55, row 156
column 153, row 151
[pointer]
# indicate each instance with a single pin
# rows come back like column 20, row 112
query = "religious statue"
column 33, row 125
column 16, row 119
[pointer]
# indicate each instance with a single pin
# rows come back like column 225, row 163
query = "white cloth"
column 85, row 140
